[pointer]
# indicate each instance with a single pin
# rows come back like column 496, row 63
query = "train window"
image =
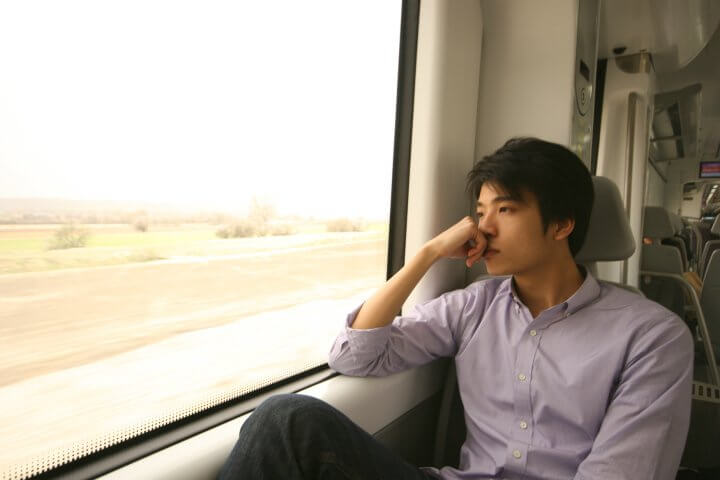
column 192, row 196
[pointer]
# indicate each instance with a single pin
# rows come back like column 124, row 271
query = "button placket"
column 523, row 424
column 522, row 431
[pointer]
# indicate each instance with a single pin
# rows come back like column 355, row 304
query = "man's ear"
column 562, row 228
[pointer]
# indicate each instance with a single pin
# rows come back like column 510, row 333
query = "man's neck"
column 548, row 286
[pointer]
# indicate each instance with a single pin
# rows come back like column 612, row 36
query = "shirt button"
column 517, row 454
column 522, row 377
column 523, row 425
column 533, row 333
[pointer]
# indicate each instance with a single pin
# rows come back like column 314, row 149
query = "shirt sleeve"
column 433, row 329
column 645, row 426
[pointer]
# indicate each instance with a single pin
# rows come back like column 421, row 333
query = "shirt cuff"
column 365, row 340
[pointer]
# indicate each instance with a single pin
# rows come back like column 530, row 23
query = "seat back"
column 608, row 215
column 661, row 258
column 658, row 257
column 699, row 243
column 710, row 298
column 690, row 237
column 679, row 238
column 710, row 247
column 703, row 228
column 704, row 435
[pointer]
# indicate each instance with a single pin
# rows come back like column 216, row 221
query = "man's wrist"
column 430, row 252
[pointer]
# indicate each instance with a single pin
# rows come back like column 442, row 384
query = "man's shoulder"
column 476, row 296
column 614, row 297
column 631, row 307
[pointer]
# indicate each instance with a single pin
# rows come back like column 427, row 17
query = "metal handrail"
column 707, row 344
column 633, row 98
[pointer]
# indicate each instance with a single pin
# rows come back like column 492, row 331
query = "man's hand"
column 462, row 240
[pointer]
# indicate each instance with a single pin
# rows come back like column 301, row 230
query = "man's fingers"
column 473, row 258
column 477, row 249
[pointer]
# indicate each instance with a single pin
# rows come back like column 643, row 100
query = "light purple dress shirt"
column 597, row 387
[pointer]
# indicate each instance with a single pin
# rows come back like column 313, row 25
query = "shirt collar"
column 588, row 292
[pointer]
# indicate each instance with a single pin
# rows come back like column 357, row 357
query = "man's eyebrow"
column 505, row 198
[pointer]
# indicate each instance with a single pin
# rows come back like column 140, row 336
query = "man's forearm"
column 381, row 308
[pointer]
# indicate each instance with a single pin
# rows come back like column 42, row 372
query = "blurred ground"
column 93, row 351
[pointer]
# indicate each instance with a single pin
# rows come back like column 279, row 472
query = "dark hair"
column 554, row 174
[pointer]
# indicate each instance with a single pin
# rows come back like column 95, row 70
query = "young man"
column 561, row 376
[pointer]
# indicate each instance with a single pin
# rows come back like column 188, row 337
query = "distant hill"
column 69, row 206
column 61, row 210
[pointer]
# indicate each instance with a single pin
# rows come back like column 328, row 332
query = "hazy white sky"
column 200, row 102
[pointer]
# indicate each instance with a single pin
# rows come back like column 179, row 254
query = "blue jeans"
column 294, row 437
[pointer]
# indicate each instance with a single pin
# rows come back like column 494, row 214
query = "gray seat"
column 710, row 300
column 684, row 233
column 704, row 435
column 677, row 240
column 657, row 257
column 662, row 281
column 697, row 245
column 710, row 247
column 660, row 258
column 690, row 236
column 608, row 215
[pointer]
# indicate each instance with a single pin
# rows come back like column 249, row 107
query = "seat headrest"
column 657, row 223
column 716, row 226
column 609, row 237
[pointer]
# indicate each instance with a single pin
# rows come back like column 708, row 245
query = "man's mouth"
column 489, row 252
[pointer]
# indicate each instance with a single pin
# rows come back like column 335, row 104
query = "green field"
column 27, row 248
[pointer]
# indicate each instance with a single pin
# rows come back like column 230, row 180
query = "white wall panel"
column 527, row 76
column 443, row 139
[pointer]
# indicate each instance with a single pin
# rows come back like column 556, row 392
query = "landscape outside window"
column 192, row 197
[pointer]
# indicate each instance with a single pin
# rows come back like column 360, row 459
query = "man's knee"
column 280, row 410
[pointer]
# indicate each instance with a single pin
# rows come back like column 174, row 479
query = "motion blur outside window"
column 192, row 196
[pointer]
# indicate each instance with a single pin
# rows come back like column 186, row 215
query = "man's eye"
column 504, row 209
column 479, row 214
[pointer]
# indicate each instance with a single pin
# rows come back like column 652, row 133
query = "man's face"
column 517, row 243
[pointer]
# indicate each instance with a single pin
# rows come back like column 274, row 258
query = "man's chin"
column 497, row 270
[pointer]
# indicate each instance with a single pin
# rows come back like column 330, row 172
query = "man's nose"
column 486, row 224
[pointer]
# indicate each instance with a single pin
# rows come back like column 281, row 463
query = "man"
column 561, row 376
